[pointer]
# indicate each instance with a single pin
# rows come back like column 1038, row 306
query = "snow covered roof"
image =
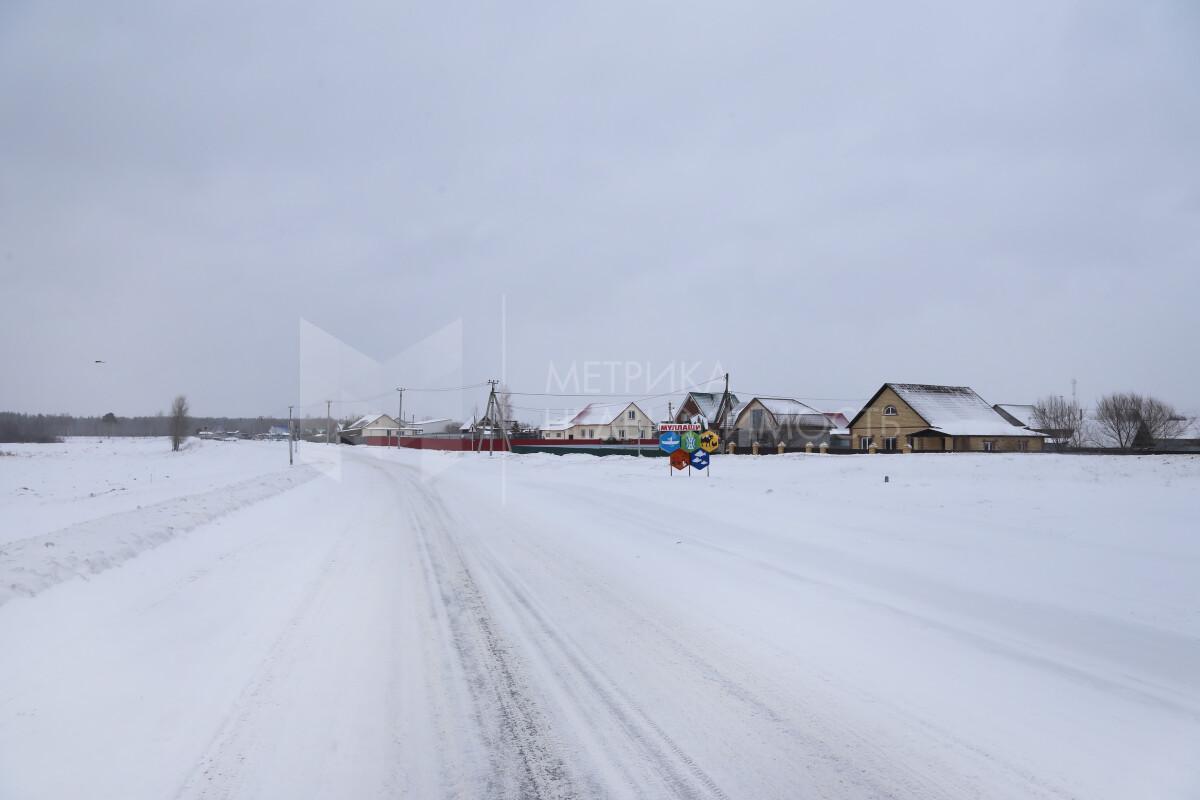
column 592, row 414
column 837, row 419
column 599, row 413
column 370, row 420
column 709, row 402
column 788, row 411
column 1023, row 414
column 956, row 410
column 557, row 425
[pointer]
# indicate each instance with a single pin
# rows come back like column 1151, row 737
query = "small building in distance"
column 483, row 426
column 602, row 421
column 1184, row 439
column 934, row 418
column 374, row 429
column 771, row 421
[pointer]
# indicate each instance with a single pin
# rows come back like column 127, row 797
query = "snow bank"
column 33, row 564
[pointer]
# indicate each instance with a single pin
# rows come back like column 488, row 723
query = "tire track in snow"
column 678, row 771
column 919, row 783
column 221, row 770
column 844, row 769
column 524, row 756
column 668, row 758
column 1029, row 652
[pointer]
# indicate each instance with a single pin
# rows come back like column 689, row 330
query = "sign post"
column 687, row 445
column 668, row 442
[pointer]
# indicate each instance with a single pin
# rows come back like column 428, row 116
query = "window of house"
column 864, row 442
column 989, row 446
column 756, row 418
column 633, row 415
column 889, row 411
column 889, row 443
column 1024, row 445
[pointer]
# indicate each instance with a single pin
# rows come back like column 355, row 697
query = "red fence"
column 459, row 444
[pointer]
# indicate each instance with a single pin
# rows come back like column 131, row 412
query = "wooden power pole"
column 493, row 411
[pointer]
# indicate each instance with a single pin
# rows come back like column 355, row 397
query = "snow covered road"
column 450, row 625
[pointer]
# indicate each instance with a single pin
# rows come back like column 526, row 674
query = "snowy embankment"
column 427, row 625
column 118, row 498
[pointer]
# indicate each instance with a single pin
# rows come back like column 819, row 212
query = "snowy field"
column 380, row 623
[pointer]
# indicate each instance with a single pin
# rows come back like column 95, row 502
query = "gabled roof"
column 709, row 403
column 369, row 420
column 591, row 414
column 421, row 424
column 557, row 425
column 787, row 411
column 837, row 419
column 602, row 413
column 1023, row 414
column 952, row 410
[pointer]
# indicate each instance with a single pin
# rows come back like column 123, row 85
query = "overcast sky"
column 816, row 197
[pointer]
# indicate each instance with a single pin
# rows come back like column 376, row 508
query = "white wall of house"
column 630, row 423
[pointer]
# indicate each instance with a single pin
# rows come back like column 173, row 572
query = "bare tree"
column 1160, row 421
column 1130, row 419
column 1060, row 419
column 1118, row 416
column 179, row 421
column 504, row 406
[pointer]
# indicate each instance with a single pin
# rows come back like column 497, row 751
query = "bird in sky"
column 98, row 361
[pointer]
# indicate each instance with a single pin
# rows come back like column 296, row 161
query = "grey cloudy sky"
column 818, row 197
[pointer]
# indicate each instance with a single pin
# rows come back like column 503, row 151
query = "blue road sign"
column 700, row 460
column 668, row 442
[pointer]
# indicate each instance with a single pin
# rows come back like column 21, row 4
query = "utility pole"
column 724, row 404
column 399, row 415
column 291, row 437
column 493, row 411
column 328, row 422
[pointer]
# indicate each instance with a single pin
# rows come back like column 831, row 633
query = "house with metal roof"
column 602, row 421
column 771, row 421
column 924, row 417
column 370, row 429
column 707, row 408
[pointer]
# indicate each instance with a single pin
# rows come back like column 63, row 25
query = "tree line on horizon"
column 1125, row 420
column 21, row 427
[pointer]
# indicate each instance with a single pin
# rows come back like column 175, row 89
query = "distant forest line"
column 15, row 427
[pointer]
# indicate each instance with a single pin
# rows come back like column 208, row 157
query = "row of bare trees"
column 1134, row 420
column 1123, row 419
